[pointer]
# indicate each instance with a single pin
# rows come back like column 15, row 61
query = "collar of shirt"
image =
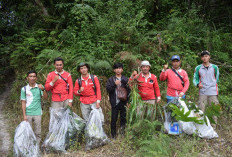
column 147, row 77
column 203, row 67
column 179, row 70
column 87, row 79
column 29, row 87
column 58, row 72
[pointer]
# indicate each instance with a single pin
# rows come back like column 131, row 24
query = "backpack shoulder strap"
column 40, row 93
column 25, row 92
column 92, row 78
column 79, row 82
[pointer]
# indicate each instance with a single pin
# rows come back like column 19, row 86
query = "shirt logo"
column 151, row 81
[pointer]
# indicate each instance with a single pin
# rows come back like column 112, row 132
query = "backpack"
column 92, row 78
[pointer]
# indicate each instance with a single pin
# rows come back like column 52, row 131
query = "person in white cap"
column 148, row 88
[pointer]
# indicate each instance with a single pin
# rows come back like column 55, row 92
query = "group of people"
column 87, row 87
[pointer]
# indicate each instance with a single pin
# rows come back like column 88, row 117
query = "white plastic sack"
column 202, row 130
column 206, row 131
column 94, row 133
column 69, row 126
column 55, row 116
column 168, row 123
column 25, row 144
column 187, row 127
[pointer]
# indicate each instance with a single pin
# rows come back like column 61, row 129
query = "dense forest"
column 102, row 32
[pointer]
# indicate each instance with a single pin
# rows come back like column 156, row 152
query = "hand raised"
column 134, row 73
column 55, row 78
column 165, row 66
column 40, row 86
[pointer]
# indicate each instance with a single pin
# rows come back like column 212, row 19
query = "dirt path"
column 4, row 134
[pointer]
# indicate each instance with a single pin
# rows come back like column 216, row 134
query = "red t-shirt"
column 59, row 89
column 88, row 96
column 148, row 88
column 174, row 82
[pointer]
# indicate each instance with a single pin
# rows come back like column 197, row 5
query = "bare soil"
column 5, row 141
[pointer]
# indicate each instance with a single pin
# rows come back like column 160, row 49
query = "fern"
column 181, row 116
column 158, row 145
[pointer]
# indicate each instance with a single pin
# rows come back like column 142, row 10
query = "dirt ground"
column 5, row 141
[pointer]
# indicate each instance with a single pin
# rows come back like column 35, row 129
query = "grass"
column 182, row 145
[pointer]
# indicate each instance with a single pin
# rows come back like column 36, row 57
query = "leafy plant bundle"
column 178, row 113
column 138, row 109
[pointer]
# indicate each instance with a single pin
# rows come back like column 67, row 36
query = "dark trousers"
column 120, row 107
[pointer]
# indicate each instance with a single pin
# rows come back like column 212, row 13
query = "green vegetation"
column 102, row 32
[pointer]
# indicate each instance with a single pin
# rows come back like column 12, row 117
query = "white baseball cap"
column 145, row 63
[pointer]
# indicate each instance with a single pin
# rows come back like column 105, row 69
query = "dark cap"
column 81, row 65
column 205, row 52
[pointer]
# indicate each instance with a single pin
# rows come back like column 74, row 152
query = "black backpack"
column 92, row 78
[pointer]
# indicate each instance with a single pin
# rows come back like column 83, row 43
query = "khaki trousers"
column 59, row 104
column 35, row 121
column 87, row 108
column 207, row 99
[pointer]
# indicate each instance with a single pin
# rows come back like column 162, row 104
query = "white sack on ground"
column 65, row 133
column 55, row 116
column 25, row 144
column 187, row 127
column 202, row 130
column 94, row 133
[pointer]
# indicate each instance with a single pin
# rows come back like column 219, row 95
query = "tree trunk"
column 44, row 10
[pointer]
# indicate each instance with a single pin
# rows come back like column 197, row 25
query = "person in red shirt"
column 148, row 88
column 88, row 88
column 177, row 85
column 59, row 82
